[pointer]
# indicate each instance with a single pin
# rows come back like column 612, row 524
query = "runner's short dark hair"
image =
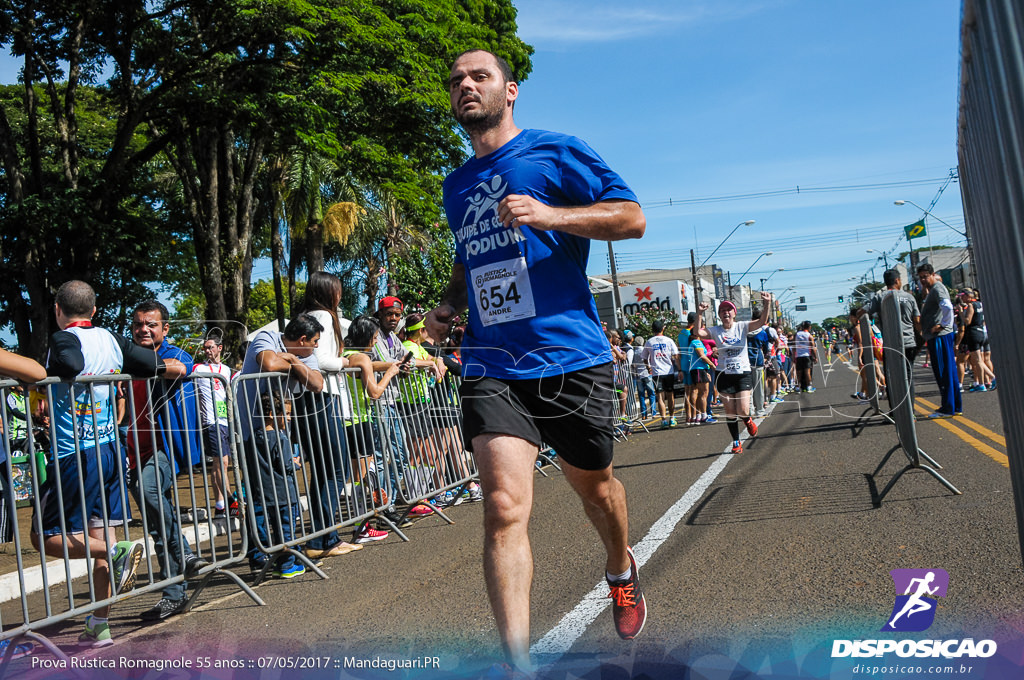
column 926, row 268
column 890, row 277
column 658, row 326
column 506, row 70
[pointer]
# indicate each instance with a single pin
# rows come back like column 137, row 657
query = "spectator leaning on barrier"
column 290, row 354
column 938, row 329
column 164, row 433
column 84, row 422
column 361, row 436
column 278, row 494
column 213, row 412
column 319, row 419
column 415, row 404
column 389, row 350
column 26, row 370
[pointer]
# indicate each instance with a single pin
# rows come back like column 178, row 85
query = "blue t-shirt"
column 248, row 391
column 687, row 357
column 758, row 345
column 176, row 410
column 531, row 310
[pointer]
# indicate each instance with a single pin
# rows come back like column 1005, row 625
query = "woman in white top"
column 321, row 419
column 734, row 380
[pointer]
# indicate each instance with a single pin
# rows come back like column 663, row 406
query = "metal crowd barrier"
column 429, row 421
column 990, row 145
column 901, row 413
column 867, row 358
column 627, row 406
column 351, row 459
column 295, row 470
column 77, row 424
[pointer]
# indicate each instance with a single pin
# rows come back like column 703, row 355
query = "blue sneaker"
column 711, row 419
column 20, row 650
column 294, row 570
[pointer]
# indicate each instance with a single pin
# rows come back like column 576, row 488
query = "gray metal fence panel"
column 991, row 154
column 86, row 441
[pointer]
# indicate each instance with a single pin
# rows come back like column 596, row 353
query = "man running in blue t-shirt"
column 536, row 365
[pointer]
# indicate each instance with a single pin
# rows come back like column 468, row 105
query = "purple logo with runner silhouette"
column 917, row 593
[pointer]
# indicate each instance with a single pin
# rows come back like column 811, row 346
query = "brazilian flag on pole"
column 915, row 230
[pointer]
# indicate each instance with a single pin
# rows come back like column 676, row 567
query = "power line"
column 672, row 202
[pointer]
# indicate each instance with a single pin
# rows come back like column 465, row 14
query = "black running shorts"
column 571, row 412
column 699, row 375
column 665, row 383
column 803, row 363
column 734, row 383
column 976, row 339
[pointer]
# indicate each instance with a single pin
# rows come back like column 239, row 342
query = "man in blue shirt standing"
column 164, row 439
column 536, row 365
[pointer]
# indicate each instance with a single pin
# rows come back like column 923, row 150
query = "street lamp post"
column 764, row 281
column 885, row 258
column 695, row 286
column 744, row 275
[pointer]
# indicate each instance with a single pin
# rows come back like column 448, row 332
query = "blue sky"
column 691, row 99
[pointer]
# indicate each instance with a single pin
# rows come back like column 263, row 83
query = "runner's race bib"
column 502, row 292
column 733, row 362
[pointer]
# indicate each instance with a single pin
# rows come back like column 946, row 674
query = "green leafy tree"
column 642, row 322
column 421, row 275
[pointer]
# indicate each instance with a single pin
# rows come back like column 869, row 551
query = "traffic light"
column 840, row 298
column 801, row 299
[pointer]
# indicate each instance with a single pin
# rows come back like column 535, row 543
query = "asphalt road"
column 756, row 564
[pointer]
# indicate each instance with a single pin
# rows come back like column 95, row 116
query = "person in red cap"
column 734, row 381
column 388, row 351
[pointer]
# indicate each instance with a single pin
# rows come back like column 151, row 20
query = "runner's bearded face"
column 478, row 92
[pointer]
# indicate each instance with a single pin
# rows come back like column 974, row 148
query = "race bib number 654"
column 502, row 292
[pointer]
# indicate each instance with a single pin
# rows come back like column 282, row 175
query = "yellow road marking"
column 997, row 438
column 970, row 439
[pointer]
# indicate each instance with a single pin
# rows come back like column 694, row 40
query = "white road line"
column 560, row 639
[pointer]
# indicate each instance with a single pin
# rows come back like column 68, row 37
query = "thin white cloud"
column 553, row 22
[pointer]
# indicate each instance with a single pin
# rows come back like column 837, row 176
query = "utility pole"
column 619, row 321
column 693, row 271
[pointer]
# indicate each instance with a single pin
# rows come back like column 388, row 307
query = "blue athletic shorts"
column 100, row 472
